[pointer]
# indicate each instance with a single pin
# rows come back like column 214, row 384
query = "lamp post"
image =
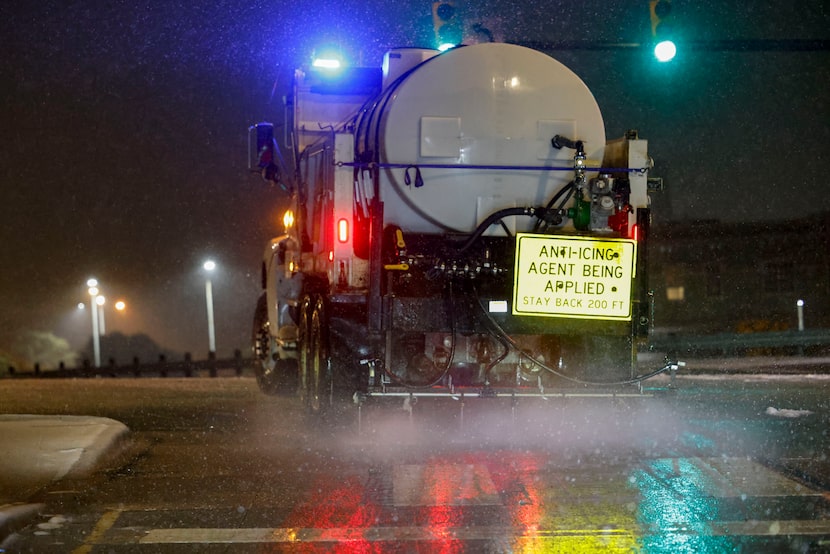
column 799, row 306
column 92, row 285
column 102, row 326
column 209, row 266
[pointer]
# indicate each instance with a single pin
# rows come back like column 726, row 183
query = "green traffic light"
column 447, row 24
column 665, row 51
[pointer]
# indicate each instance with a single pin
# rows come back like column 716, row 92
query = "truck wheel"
column 319, row 375
column 274, row 376
column 304, row 346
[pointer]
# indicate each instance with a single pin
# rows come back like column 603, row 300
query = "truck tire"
column 304, row 346
column 274, row 376
column 319, row 371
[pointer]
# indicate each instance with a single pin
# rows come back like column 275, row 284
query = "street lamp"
column 209, row 266
column 93, row 291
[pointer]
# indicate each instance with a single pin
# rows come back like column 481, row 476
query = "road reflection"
column 341, row 515
column 587, row 487
column 497, row 501
column 704, row 471
column 677, row 506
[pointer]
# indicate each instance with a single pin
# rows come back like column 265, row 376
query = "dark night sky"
column 124, row 146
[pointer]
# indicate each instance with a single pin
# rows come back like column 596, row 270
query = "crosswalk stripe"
column 404, row 533
column 443, row 485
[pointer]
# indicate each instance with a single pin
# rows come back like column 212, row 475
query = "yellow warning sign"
column 579, row 277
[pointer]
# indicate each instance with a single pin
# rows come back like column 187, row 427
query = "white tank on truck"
column 479, row 108
column 458, row 223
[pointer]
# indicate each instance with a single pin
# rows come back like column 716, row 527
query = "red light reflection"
column 335, row 506
column 431, row 507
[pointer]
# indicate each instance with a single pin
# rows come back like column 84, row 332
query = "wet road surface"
column 721, row 465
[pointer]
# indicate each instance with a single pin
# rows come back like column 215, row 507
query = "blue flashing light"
column 665, row 51
column 328, row 58
column 446, row 46
column 327, row 63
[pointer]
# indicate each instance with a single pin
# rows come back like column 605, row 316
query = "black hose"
column 567, row 188
column 445, row 370
column 498, row 331
column 494, row 217
column 559, row 142
column 497, row 360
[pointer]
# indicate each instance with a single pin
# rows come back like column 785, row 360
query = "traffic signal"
column 447, row 25
column 662, row 29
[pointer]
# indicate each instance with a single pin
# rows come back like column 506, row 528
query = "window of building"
column 675, row 294
column 778, row 277
column 713, row 283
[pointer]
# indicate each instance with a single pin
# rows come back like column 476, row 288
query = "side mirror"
column 264, row 159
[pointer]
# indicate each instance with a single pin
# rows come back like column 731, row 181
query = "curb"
column 16, row 516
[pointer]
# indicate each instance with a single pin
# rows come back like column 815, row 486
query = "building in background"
column 713, row 277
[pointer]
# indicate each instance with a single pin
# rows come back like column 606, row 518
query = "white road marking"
column 409, row 534
column 370, row 534
column 443, row 485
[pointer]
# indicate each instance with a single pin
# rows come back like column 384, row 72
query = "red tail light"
column 343, row 230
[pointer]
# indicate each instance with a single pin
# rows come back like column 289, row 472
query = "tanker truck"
column 458, row 225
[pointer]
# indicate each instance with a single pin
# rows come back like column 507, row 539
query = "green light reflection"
column 676, row 511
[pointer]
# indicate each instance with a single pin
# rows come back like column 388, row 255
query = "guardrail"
column 211, row 367
column 791, row 343
column 735, row 344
